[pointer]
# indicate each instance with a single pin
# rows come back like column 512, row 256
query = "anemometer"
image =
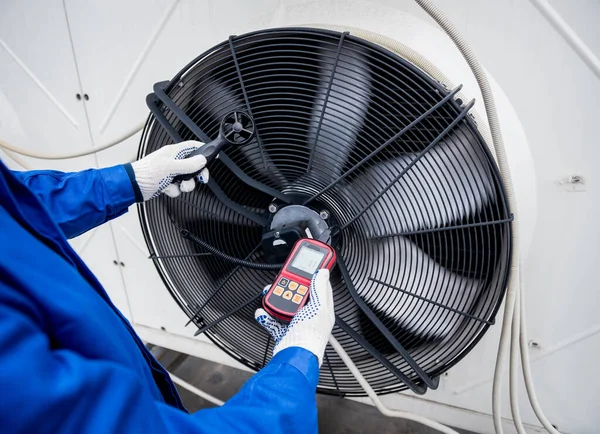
column 236, row 129
column 290, row 291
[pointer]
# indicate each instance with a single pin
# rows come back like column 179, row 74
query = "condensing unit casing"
column 390, row 157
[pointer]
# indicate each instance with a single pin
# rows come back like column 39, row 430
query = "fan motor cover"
column 407, row 183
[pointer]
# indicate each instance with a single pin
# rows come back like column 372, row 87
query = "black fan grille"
column 428, row 200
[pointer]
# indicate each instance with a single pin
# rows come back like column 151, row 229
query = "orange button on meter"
column 287, row 295
column 293, row 285
column 297, row 299
column 302, row 290
column 278, row 290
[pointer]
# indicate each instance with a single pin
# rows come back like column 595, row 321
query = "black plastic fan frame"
column 276, row 76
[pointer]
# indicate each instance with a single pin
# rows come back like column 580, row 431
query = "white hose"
column 195, row 390
column 575, row 42
column 526, row 366
column 378, row 404
column 514, row 367
column 514, row 286
column 42, row 156
column 17, row 160
column 503, row 348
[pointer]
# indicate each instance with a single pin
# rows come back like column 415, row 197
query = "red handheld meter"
column 291, row 288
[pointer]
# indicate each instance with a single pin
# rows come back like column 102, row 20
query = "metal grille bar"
column 329, row 85
column 384, row 331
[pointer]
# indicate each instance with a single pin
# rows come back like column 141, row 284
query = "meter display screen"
column 307, row 260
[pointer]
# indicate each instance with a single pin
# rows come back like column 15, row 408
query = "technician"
column 71, row 363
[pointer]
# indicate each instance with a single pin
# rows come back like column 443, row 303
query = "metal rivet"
column 324, row 214
column 276, row 234
column 272, row 208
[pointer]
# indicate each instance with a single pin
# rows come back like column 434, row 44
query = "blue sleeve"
column 281, row 398
column 47, row 390
column 80, row 201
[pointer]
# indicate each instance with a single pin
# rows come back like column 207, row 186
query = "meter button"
column 278, row 290
column 302, row 290
column 283, row 282
column 297, row 299
column 293, row 285
column 287, row 295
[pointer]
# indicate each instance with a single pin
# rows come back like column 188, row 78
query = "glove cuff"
column 144, row 178
column 310, row 338
column 136, row 188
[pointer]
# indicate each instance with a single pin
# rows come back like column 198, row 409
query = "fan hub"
column 237, row 127
column 290, row 224
column 294, row 215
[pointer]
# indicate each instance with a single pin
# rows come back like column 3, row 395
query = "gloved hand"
column 311, row 326
column 155, row 172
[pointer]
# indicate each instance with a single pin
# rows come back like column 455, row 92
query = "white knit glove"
column 311, row 326
column 155, row 172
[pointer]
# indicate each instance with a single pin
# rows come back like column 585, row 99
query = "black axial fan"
column 350, row 138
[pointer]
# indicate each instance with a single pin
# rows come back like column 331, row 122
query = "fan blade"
column 338, row 117
column 447, row 184
column 426, row 287
column 207, row 207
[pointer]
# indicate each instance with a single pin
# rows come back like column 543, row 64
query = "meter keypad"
column 289, row 292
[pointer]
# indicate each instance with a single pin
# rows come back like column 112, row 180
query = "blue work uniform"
column 71, row 363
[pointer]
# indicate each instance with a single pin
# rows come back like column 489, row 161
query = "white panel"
column 39, row 111
column 142, row 42
column 11, row 131
column 97, row 249
column 39, row 81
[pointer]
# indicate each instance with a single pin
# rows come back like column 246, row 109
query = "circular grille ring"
column 342, row 125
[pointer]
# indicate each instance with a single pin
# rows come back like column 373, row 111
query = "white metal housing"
column 114, row 51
